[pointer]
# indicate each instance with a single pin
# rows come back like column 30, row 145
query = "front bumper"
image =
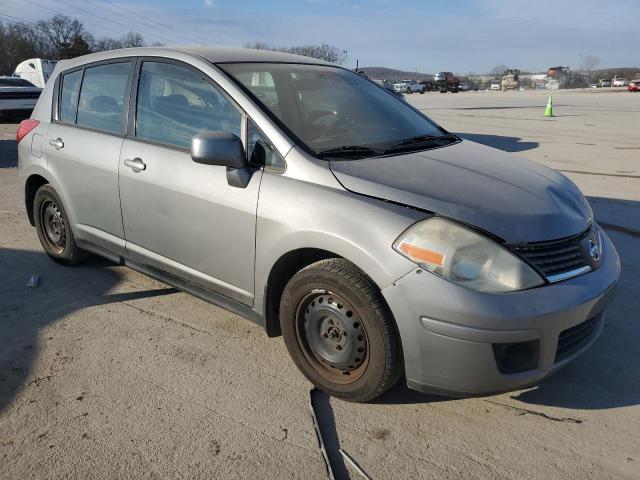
column 448, row 332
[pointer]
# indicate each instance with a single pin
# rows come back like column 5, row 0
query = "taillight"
column 25, row 127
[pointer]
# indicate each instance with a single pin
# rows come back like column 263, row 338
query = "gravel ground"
column 105, row 373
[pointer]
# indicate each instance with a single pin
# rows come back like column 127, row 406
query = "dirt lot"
column 105, row 373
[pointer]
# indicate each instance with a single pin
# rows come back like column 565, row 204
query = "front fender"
column 293, row 214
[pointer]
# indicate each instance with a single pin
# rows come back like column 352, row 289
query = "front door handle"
column 136, row 164
column 57, row 143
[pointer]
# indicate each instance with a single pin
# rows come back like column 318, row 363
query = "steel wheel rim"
column 333, row 339
column 53, row 227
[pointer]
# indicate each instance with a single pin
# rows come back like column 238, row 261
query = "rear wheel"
column 339, row 332
column 54, row 230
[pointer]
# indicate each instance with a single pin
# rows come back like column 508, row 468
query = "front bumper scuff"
column 448, row 331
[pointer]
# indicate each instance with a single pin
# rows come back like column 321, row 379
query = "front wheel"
column 339, row 331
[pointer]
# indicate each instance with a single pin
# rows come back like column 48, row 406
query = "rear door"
column 83, row 148
column 179, row 216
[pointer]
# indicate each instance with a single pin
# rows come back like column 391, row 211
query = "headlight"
column 461, row 256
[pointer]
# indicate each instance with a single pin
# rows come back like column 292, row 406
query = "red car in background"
column 634, row 86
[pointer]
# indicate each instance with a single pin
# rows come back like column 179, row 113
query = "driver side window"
column 174, row 103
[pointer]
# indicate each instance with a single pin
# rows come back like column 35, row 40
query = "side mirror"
column 218, row 148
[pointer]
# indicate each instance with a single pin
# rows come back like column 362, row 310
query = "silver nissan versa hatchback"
column 309, row 199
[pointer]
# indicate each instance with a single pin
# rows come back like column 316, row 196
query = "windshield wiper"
column 411, row 142
column 350, row 151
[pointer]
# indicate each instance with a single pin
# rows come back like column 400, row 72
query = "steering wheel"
column 339, row 123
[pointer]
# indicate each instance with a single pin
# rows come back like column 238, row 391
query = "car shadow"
column 508, row 144
column 607, row 375
column 8, row 154
column 25, row 313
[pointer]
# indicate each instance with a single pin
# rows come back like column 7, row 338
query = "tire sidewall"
column 378, row 349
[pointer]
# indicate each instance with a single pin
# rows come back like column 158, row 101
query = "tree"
column 324, row 51
column 21, row 41
column 107, row 43
column 55, row 38
column 589, row 63
column 499, row 70
column 133, row 39
column 130, row 40
column 78, row 47
column 63, row 32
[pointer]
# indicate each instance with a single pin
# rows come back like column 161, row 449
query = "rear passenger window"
column 102, row 101
column 69, row 96
column 174, row 103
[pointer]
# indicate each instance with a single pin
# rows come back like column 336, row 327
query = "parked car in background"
column 619, row 82
column 410, row 86
column 18, row 97
column 634, row 86
column 379, row 245
column 495, row 86
column 388, row 85
column 464, row 86
column 401, row 87
column 35, row 70
column 604, row 83
column 416, row 87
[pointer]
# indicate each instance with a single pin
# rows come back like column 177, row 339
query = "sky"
column 461, row 36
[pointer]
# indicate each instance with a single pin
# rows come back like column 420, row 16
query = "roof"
column 213, row 54
column 231, row 54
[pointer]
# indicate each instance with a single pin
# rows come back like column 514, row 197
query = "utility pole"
column 580, row 63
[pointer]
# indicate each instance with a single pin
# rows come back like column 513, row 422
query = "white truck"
column 409, row 86
column 35, row 70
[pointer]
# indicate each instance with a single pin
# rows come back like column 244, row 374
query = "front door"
column 180, row 216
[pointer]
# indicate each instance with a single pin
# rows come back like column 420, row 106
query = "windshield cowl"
column 413, row 144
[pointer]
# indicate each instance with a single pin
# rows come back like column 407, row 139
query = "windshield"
column 330, row 108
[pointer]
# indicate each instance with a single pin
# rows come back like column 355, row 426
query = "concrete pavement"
column 105, row 373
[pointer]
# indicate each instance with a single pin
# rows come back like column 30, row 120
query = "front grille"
column 557, row 257
column 18, row 95
column 573, row 339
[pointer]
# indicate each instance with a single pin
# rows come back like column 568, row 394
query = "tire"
column 339, row 332
column 54, row 230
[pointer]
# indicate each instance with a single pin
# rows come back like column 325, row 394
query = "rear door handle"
column 57, row 143
column 136, row 164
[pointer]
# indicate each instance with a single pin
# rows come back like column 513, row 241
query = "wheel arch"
column 294, row 260
column 31, row 186
column 281, row 272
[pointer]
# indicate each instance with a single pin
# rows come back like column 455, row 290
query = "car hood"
column 510, row 197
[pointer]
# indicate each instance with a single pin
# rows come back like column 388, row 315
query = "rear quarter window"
column 69, row 96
